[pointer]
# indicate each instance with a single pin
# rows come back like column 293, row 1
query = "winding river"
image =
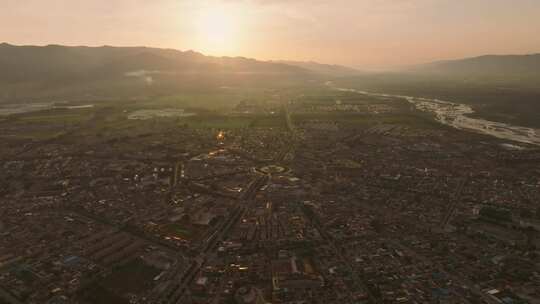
column 455, row 115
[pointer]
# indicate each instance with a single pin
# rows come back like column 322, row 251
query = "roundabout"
column 272, row 169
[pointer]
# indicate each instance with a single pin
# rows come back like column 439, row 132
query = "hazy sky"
column 360, row 33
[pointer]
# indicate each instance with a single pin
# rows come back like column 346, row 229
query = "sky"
column 367, row 34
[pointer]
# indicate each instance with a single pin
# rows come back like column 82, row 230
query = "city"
column 336, row 198
column 269, row 152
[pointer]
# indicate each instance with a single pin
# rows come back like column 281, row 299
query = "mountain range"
column 54, row 71
column 488, row 67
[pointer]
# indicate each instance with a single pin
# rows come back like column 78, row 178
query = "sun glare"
column 219, row 29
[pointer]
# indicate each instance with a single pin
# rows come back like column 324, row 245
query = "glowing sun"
column 219, row 29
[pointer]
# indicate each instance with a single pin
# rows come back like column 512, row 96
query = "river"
column 456, row 115
column 10, row 109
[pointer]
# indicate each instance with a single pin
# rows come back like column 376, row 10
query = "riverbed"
column 457, row 116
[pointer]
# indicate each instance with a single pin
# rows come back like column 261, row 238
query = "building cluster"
column 388, row 210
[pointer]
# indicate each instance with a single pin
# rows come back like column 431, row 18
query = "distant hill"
column 323, row 69
column 489, row 66
column 61, row 71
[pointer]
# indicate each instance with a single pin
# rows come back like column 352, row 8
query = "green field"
column 366, row 120
column 183, row 230
column 109, row 119
column 215, row 99
column 43, row 125
column 234, row 121
column 179, row 231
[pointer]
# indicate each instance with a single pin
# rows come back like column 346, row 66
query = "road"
column 221, row 232
column 455, row 201
column 245, row 203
